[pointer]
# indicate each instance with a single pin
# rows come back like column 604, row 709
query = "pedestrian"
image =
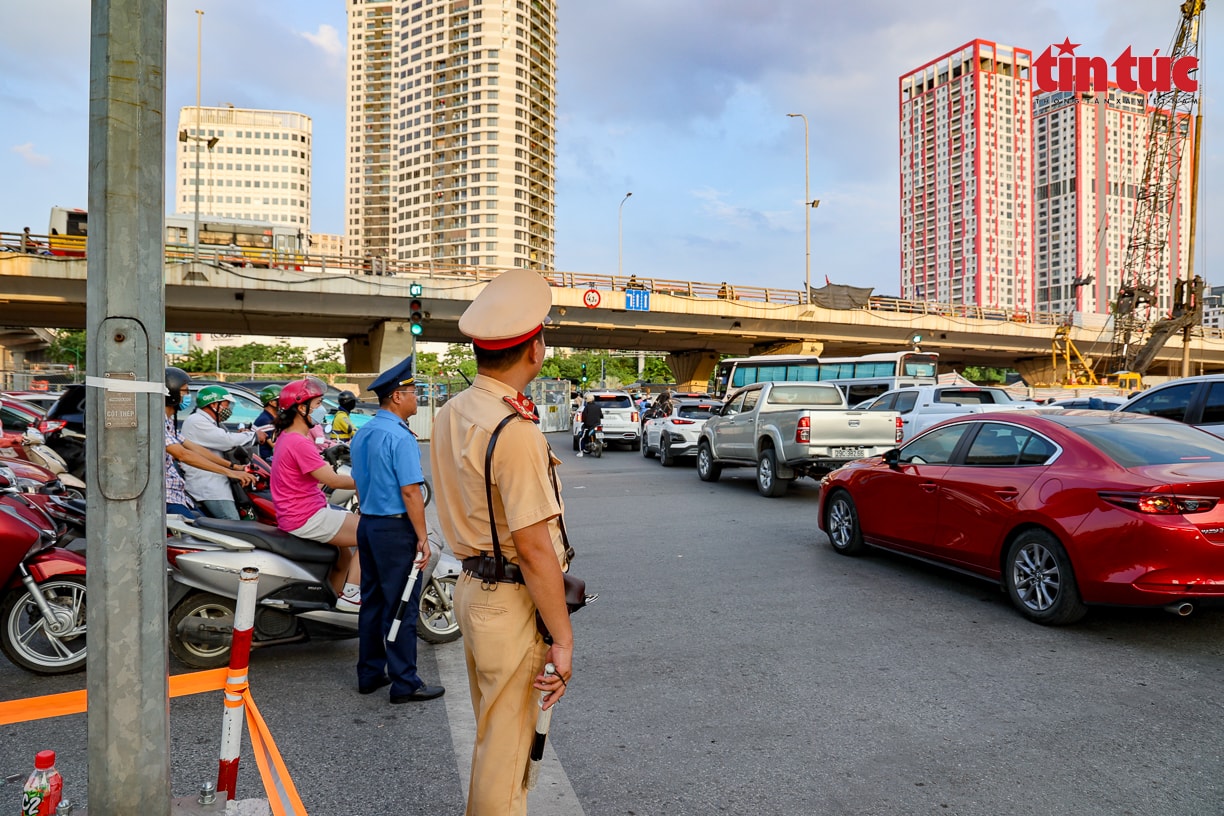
column 27, row 243
column 391, row 535
column 178, row 396
column 205, row 427
column 505, row 651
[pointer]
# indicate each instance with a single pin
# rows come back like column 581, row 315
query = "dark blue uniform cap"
column 398, row 376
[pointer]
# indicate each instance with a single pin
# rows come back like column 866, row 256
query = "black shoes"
column 423, row 693
column 375, row 686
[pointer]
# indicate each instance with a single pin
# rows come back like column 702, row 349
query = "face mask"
column 225, row 412
column 318, row 416
column 185, row 403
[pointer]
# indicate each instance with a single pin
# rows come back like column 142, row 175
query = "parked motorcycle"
column 32, row 447
column 296, row 602
column 42, row 610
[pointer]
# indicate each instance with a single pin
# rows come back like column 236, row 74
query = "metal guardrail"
column 352, row 265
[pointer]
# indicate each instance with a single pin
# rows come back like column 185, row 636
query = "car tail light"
column 900, row 429
column 1161, row 504
column 635, row 417
column 50, row 426
column 683, row 422
column 803, row 432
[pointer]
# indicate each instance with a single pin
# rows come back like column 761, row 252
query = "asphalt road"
column 734, row 663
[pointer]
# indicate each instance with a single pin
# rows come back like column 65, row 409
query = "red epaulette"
column 522, row 406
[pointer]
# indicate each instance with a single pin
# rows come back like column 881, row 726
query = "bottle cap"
column 44, row 760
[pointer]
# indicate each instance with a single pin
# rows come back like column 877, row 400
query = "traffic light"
column 584, row 376
column 416, row 313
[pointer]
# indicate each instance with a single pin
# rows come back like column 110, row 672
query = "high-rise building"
column 451, row 132
column 1090, row 151
column 966, row 178
column 253, row 164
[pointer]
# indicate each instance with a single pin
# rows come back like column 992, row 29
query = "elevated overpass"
column 692, row 322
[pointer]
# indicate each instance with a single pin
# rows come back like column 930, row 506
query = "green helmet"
column 269, row 393
column 213, row 393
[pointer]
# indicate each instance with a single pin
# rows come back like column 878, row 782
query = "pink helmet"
column 300, row 391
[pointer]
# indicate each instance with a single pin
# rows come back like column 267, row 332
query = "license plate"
column 599, row 434
column 849, row 453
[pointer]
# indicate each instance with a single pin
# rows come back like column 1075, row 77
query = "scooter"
column 33, row 448
column 593, row 442
column 42, row 609
column 296, row 602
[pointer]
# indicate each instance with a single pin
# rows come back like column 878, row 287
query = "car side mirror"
column 8, row 479
column 892, row 458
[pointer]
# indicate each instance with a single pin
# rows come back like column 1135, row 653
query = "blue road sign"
column 637, row 300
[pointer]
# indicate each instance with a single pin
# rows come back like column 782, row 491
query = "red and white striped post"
column 236, row 681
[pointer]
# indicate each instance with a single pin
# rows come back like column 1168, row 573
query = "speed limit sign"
column 591, row 298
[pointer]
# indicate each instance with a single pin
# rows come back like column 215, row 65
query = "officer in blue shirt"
column 391, row 535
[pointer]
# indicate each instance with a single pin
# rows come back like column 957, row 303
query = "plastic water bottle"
column 44, row 787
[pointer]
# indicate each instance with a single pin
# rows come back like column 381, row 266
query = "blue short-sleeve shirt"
column 385, row 457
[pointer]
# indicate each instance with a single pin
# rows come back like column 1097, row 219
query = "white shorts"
column 323, row 526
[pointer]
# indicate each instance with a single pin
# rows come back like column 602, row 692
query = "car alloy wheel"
column 1039, row 579
column 842, row 524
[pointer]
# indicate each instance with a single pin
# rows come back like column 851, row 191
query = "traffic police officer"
column 505, row 652
column 390, row 536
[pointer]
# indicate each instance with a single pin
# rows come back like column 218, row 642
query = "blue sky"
column 681, row 102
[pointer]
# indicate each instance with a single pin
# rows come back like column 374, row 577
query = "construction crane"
column 1137, row 336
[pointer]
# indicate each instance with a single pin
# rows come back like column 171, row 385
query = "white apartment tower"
column 451, row 132
column 254, row 165
column 966, row 179
column 1090, row 151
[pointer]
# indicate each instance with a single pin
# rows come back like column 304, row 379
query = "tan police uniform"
column 503, row 649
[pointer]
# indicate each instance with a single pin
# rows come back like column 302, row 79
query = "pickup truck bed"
column 789, row 430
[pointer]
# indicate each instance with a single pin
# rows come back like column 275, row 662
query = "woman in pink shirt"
column 298, row 475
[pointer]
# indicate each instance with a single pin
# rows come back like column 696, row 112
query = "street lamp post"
column 809, row 204
column 620, row 234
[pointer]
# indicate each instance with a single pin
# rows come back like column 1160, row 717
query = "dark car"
column 1063, row 509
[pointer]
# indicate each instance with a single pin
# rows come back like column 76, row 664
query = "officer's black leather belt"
column 397, row 515
column 484, row 567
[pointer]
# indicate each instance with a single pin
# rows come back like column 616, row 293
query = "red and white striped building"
column 1090, row 151
column 967, row 221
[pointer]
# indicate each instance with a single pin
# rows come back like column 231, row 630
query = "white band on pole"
column 126, row 386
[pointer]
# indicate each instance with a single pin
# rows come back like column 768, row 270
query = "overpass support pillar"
column 386, row 345
column 692, row 369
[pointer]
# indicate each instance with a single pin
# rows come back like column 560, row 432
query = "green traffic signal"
column 416, row 329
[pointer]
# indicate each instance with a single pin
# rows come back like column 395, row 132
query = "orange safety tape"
column 74, row 702
column 282, row 794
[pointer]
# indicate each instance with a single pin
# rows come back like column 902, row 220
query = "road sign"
column 637, row 300
column 591, row 298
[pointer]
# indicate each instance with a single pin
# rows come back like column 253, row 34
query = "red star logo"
column 1067, row 47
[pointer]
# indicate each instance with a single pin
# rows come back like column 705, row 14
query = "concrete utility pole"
column 129, row 710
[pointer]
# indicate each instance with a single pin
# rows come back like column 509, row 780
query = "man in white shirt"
column 214, row 405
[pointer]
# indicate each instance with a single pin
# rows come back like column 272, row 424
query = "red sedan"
column 1063, row 509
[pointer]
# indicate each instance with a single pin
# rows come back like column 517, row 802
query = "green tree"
column 458, row 358
column 68, row 347
column 280, row 360
column 427, row 363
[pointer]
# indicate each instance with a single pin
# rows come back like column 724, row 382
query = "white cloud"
column 26, row 151
column 326, row 39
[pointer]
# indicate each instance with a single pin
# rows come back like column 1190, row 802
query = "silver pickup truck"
column 790, row 429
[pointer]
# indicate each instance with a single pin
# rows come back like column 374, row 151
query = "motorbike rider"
column 178, row 396
column 204, row 427
column 592, row 418
column 298, row 471
column 342, row 426
column 267, row 417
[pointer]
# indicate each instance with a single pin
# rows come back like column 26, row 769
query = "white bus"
column 860, row 378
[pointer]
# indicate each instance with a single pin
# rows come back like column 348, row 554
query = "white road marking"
column 553, row 794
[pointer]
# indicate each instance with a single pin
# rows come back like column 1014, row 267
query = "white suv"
column 620, row 419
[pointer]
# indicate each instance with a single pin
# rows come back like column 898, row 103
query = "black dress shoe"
column 423, row 693
column 375, row 686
